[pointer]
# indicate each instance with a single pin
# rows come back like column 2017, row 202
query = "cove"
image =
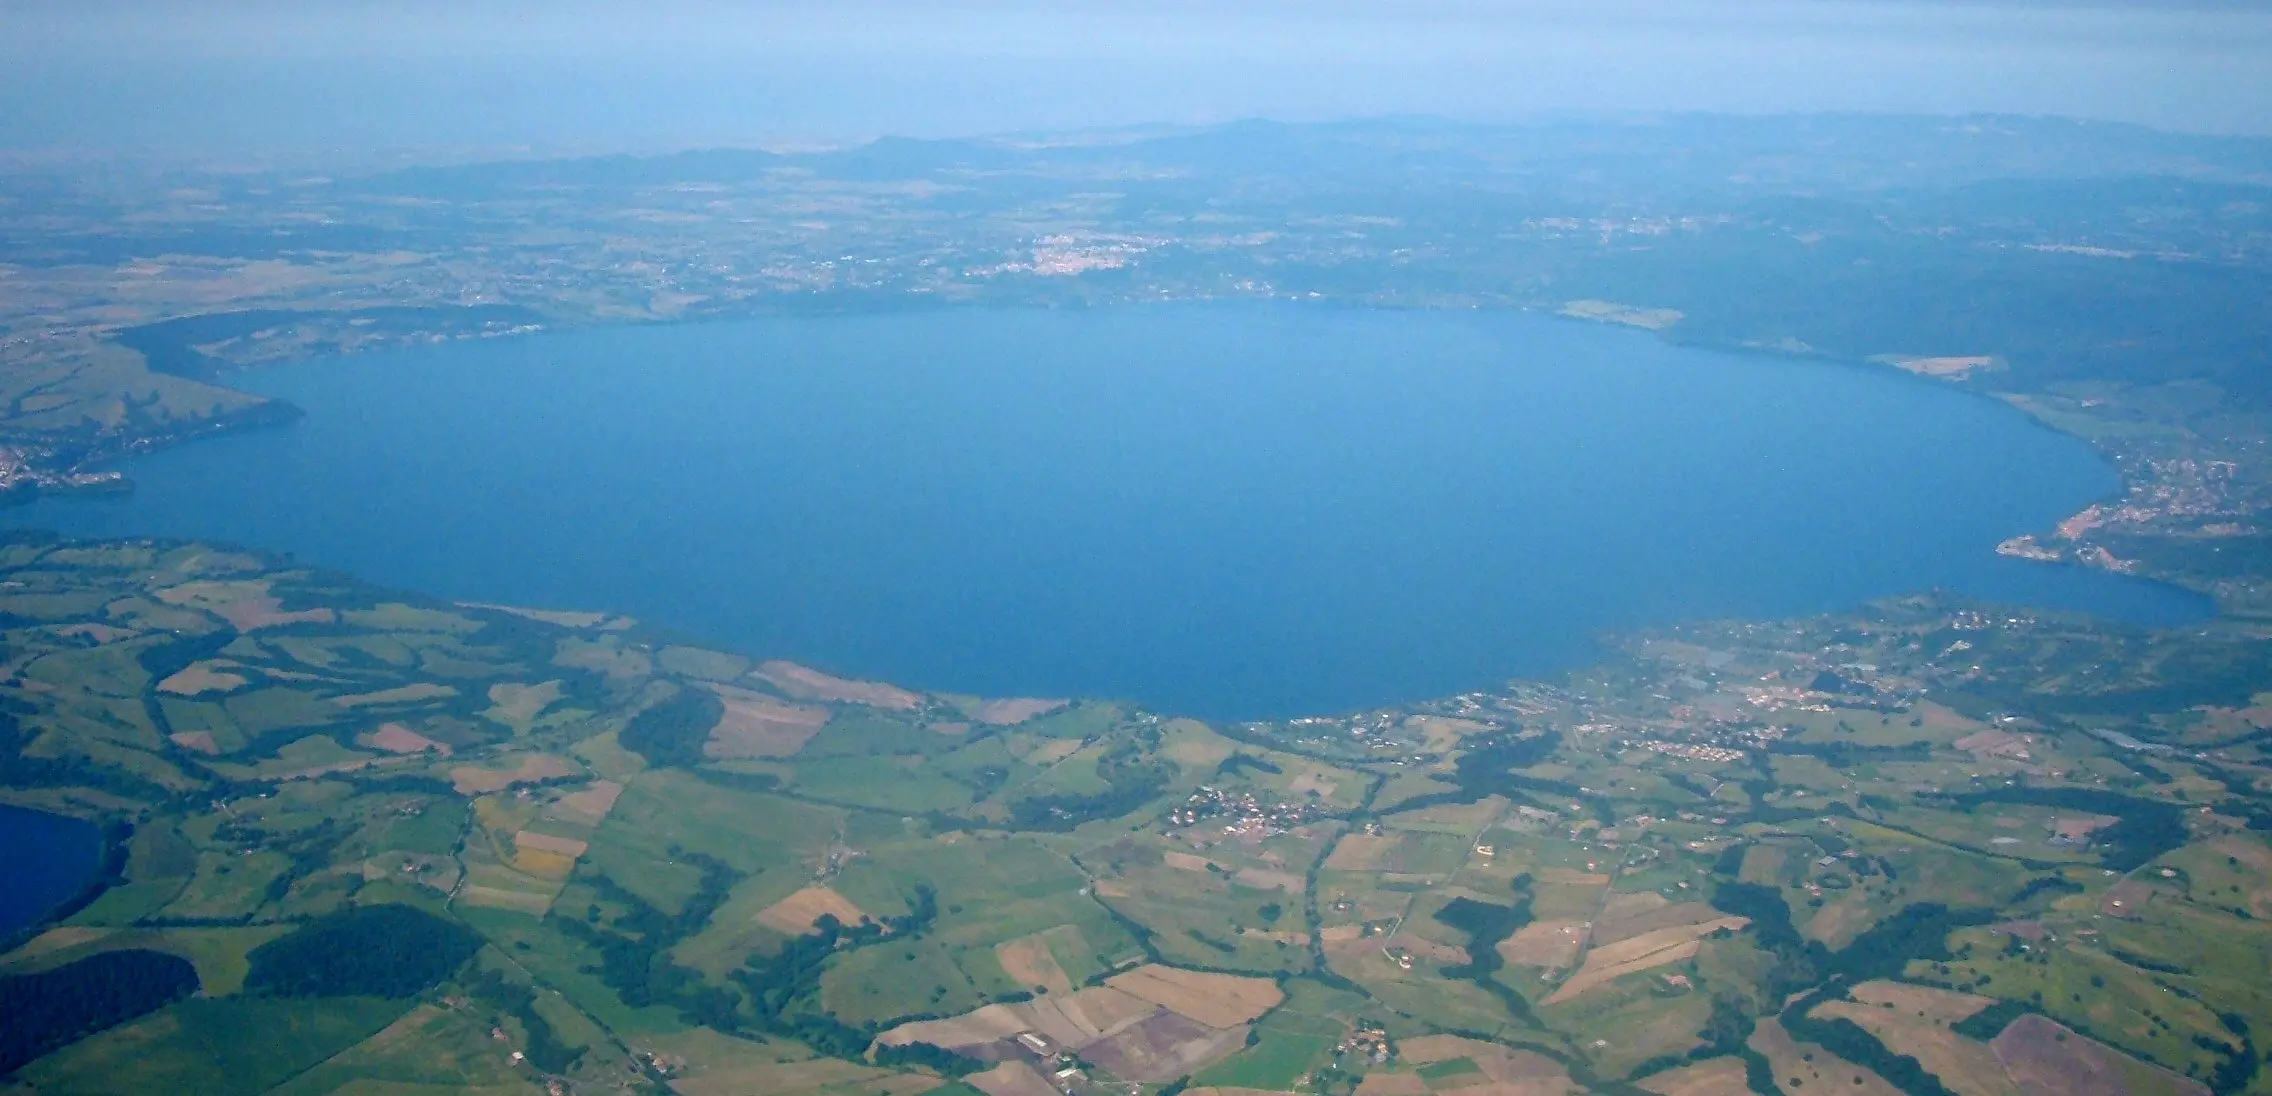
column 45, row 860
column 1228, row 511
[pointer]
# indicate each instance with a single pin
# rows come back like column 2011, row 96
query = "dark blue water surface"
column 44, row 860
column 1225, row 511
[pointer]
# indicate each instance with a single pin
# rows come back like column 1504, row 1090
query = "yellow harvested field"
column 199, row 741
column 475, row 780
column 1650, row 949
column 245, row 604
column 1184, row 861
column 1027, row 961
column 1637, row 947
column 1945, row 1005
column 806, row 683
column 1640, row 919
column 524, row 901
column 1053, row 751
column 1216, row 1000
column 981, row 1025
column 1358, row 852
column 397, row 739
column 589, row 805
column 55, row 940
column 543, row 864
column 515, row 704
column 424, row 690
column 797, row 913
column 203, row 677
column 565, row 846
column 100, row 633
column 1718, row 1077
column 1816, row 1069
column 756, row 725
column 1552, row 944
column 1004, row 713
column 1968, row 1067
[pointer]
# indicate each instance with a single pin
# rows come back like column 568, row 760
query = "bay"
column 1229, row 511
column 45, row 860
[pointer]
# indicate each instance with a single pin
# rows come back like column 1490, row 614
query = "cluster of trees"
column 55, row 1008
column 363, row 951
column 1727, row 1034
column 2049, row 884
column 673, row 731
column 939, row 1060
column 1240, row 761
column 1990, row 1022
column 1485, row 767
column 1846, row 755
column 1135, row 776
column 545, row 1050
column 22, row 769
column 2238, row 1070
column 1918, row 931
column 634, row 948
column 310, row 849
column 1486, row 924
column 1799, row 962
column 779, row 985
column 1853, row 1042
column 2148, row 827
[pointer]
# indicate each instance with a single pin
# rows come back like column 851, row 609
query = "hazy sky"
column 345, row 74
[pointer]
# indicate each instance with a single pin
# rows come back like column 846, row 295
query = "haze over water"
column 1224, row 511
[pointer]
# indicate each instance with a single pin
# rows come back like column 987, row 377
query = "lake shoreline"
column 833, row 363
column 68, row 880
column 274, row 412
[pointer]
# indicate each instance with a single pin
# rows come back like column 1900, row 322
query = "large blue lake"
column 45, row 859
column 1227, row 511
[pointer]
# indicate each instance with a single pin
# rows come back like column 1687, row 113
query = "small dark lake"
column 45, row 860
column 1226, row 511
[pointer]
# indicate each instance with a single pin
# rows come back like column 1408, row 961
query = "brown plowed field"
column 2042, row 1056
column 1003, row 713
column 1554, row 944
column 756, row 725
column 1164, row 1047
column 1217, row 1000
column 1718, row 1077
column 1027, row 961
column 1639, row 953
column 806, row 683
